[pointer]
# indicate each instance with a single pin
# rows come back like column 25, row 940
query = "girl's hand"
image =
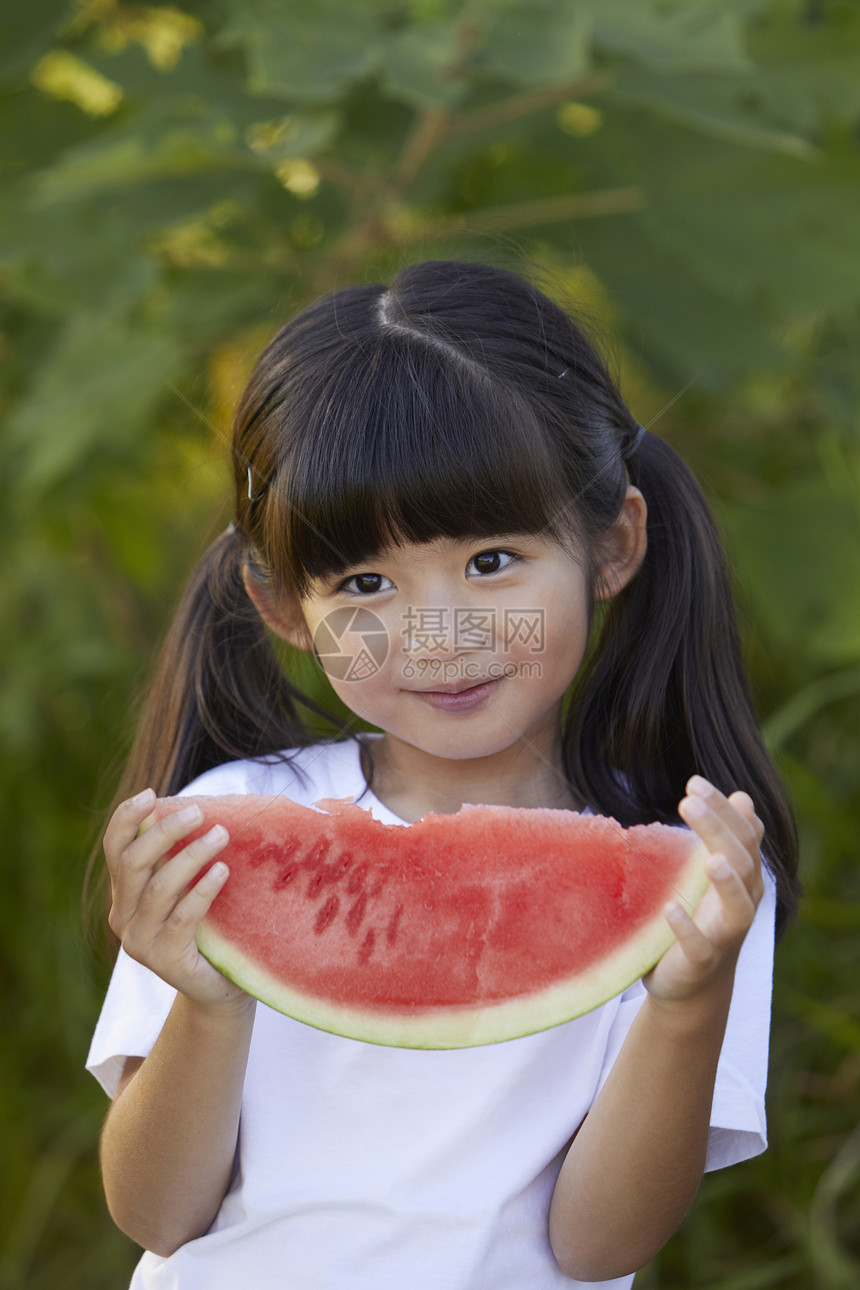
column 708, row 943
column 155, row 911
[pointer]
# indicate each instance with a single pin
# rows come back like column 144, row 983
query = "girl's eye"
column 364, row 584
column 493, row 561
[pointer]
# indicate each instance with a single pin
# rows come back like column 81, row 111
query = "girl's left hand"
column 708, row 943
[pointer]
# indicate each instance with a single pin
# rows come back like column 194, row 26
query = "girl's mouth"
column 461, row 700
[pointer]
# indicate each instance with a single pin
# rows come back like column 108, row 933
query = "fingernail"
column 143, row 798
column 699, row 786
column 190, row 815
column 694, row 807
column 216, row 834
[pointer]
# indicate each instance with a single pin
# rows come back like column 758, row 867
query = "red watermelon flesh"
column 454, row 931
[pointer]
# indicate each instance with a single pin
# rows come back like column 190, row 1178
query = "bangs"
column 406, row 442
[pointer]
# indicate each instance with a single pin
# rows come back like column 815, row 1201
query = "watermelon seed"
column 393, row 925
column 327, row 914
column 317, row 852
column 366, row 948
column 355, row 881
column 356, row 914
column 324, row 877
column 261, row 852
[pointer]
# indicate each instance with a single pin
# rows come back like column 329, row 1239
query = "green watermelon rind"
column 462, row 1026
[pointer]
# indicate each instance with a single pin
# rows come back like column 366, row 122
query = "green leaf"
column 308, row 53
column 130, row 158
column 681, row 325
column 35, row 130
column 806, row 703
column 532, row 43
column 190, row 122
column 808, row 64
column 723, row 106
column 798, row 551
column 826, row 1018
column 420, row 65
column 95, row 394
column 693, row 36
column 26, row 32
column 59, row 259
column 751, row 225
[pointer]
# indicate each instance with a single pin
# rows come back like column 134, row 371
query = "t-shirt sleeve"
column 135, row 1009
column 738, row 1124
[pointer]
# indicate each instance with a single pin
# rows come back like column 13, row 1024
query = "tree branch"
column 341, row 176
column 547, row 210
column 428, row 131
column 525, row 104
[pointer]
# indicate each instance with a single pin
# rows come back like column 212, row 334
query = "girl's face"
column 457, row 647
column 461, row 648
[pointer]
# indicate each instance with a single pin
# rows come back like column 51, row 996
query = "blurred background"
column 174, row 183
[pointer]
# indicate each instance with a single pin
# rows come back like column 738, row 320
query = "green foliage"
column 174, row 184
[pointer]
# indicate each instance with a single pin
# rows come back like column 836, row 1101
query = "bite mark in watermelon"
column 455, row 931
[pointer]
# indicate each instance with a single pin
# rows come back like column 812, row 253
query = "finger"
column 173, row 938
column 743, row 803
column 741, row 823
column 143, row 856
column 714, row 831
column 689, row 936
column 724, row 845
column 168, row 884
column 722, row 828
column 737, row 906
column 153, row 843
column 124, row 824
column 738, row 899
column 188, row 912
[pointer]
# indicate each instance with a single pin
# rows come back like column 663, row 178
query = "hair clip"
column 564, row 373
column 251, row 497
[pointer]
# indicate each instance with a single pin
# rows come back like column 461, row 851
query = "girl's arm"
column 169, row 1139
column 637, row 1160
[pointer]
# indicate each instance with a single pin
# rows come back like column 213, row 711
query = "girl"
column 444, row 453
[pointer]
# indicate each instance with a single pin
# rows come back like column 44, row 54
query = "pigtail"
column 665, row 692
column 219, row 693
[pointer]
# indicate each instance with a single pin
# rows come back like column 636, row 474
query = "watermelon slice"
column 455, row 931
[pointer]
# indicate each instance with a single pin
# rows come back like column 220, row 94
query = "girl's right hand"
column 154, row 909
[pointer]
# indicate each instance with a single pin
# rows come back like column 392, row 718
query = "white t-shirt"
column 368, row 1168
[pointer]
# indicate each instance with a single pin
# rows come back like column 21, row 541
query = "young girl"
column 445, row 453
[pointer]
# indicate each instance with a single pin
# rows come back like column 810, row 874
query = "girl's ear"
column 623, row 549
column 284, row 617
